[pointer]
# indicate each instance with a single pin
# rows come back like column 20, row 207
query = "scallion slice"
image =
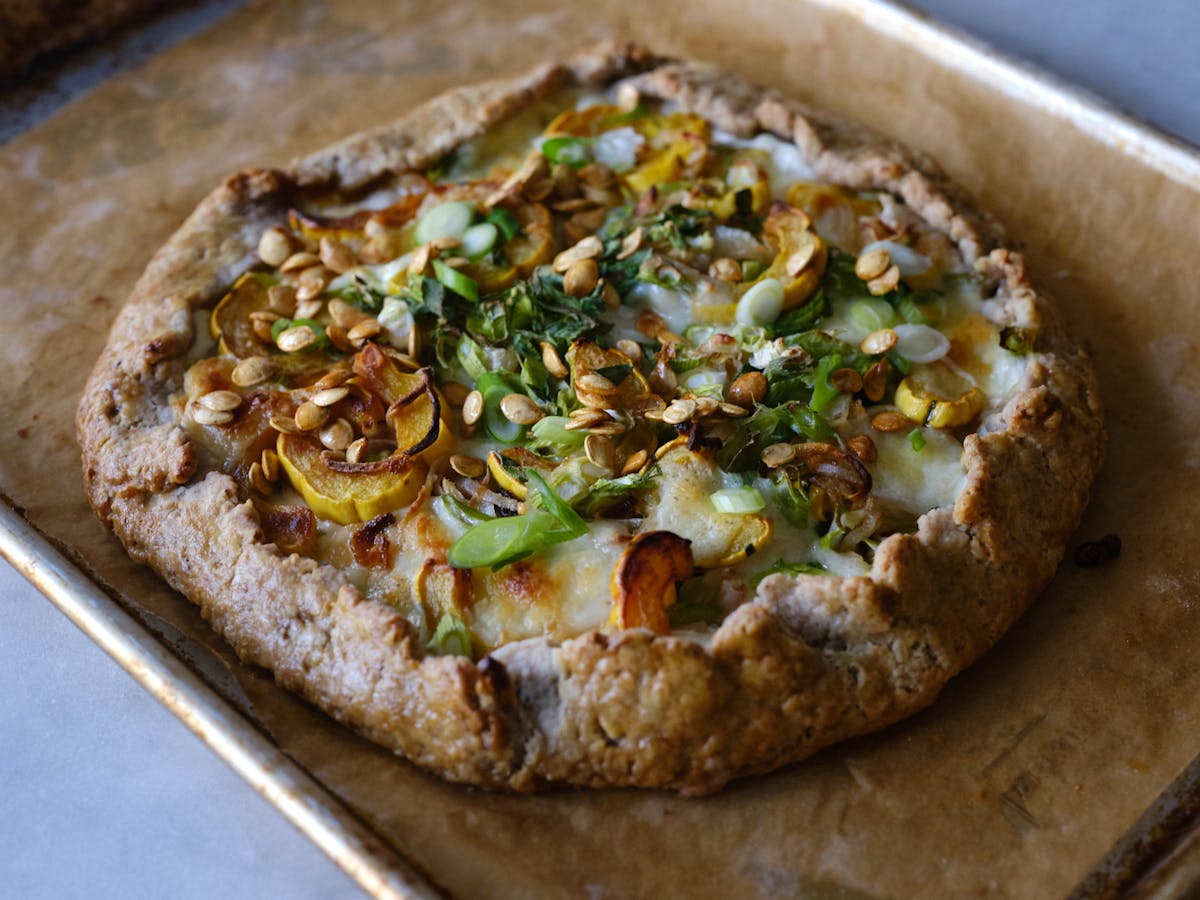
column 448, row 219
column 762, row 304
column 574, row 151
column 495, row 386
column 452, row 637
column 461, row 284
column 873, row 314
column 551, row 433
column 738, row 500
column 498, row 542
column 478, row 240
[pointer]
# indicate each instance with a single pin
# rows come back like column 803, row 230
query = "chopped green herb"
column 616, row 374
column 790, row 497
column 503, row 219
column 917, row 440
column 824, row 393
column 769, row 425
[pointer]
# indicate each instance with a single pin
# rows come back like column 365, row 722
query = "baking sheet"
column 1031, row 765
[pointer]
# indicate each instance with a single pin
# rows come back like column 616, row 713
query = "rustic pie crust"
column 811, row 660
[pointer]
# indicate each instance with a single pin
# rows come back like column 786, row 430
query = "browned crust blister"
column 811, row 661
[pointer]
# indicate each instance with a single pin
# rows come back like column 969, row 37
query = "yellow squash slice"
column 644, row 579
column 343, row 492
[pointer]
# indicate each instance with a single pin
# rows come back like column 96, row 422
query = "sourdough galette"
column 622, row 423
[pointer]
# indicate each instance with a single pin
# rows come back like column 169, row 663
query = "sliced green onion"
column 762, row 304
column 738, row 500
column 570, row 520
column 498, row 542
column 478, row 240
column 503, row 219
column 452, row 637
column 574, row 151
column 461, row 284
column 470, row 356
column 873, row 314
column 495, row 386
column 910, row 312
column 551, row 433
column 466, row 516
column 920, row 343
column 448, row 219
column 917, row 440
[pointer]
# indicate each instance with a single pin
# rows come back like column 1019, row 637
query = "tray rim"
column 312, row 808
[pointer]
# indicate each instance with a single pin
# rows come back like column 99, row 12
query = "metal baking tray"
column 1158, row 856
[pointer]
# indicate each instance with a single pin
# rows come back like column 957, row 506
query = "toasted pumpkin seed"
column 298, row 337
column 778, row 455
column 336, row 256
column 635, row 461
column 520, row 409
column 878, row 342
column 889, row 421
column 252, row 371
column 863, row 447
column 885, row 283
column 872, row 264
column 274, row 246
column 679, row 412
column 337, row 435
column 846, row 381
column 310, row 417
column 600, row 450
column 330, row 396
column 581, row 278
column 472, row 408
column 298, row 261
column 748, row 389
column 221, row 401
column 205, row 416
column 468, row 466
column 258, row 481
column 552, row 361
column 588, row 248
column 270, row 464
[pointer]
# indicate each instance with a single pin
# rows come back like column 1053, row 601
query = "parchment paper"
column 1030, row 765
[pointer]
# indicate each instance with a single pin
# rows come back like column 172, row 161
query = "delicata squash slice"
column 621, row 423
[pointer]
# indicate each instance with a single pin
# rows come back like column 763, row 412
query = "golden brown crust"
column 812, row 660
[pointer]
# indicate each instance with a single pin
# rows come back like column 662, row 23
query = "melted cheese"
column 566, row 590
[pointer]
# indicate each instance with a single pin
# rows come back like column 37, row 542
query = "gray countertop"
column 106, row 794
